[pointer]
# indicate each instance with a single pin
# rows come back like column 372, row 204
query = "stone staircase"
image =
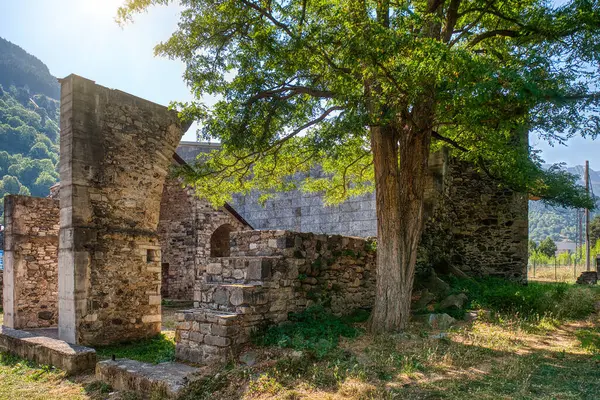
column 268, row 275
column 232, row 296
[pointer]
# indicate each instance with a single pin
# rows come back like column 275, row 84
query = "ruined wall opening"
column 219, row 241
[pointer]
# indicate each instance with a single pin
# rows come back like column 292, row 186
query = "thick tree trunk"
column 400, row 160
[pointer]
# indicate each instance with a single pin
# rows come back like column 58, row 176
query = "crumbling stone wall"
column 31, row 255
column 268, row 275
column 185, row 228
column 478, row 227
column 115, row 150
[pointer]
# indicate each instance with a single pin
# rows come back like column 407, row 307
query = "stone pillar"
column 115, row 150
column 31, row 276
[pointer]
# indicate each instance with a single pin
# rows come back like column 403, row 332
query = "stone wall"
column 2, row 286
column 268, row 275
column 115, row 150
column 185, row 228
column 478, row 226
column 30, row 261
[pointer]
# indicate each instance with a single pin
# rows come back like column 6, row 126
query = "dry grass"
column 547, row 273
column 482, row 360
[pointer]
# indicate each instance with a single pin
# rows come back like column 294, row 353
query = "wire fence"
column 556, row 271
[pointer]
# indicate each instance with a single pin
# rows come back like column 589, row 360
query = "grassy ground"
column 534, row 342
column 538, row 342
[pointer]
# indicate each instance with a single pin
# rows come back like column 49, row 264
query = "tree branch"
column 493, row 33
column 453, row 143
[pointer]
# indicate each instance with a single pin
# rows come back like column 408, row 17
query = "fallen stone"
column 441, row 335
column 435, row 285
column 455, row 301
column 588, row 278
column 426, row 298
column 165, row 380
column 440, row 321
column 249, row 358
column 471, row 316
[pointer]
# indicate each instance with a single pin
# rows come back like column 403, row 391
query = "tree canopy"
column 291, row 81
column 364, row 90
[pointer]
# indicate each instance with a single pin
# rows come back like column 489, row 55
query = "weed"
column 264, row 384
column 98, row 387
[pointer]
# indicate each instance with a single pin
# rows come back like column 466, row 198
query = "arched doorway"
column 219, row 241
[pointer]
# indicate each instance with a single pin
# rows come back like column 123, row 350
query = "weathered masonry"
column 475, row 225
column 115, row 151
column 267, row 275
column 190, row 231
column 31, row 254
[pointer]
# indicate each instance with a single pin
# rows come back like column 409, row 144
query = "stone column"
column 115, row 150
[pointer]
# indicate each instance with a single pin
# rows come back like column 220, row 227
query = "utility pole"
column 587, row 217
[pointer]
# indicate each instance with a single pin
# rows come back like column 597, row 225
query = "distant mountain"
column 559, row 222
column 21, row 69
column 29, row 123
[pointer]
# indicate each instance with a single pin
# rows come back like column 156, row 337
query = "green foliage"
column 302, row 82
column 28, row 124
column 595, row 230
column 547, row 247
column 313, row 330
column 153, row 350
column 534, row 300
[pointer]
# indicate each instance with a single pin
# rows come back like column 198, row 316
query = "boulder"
column 455, row 301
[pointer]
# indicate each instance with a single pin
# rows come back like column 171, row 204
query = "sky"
column 82, row 37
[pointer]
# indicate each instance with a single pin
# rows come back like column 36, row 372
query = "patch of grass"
column 160, row 348
column 203, row 389
column 560, row 301
column 98, row 387
column 264, row 384
column 589, row 339
column 312, row 330
column 22, row 379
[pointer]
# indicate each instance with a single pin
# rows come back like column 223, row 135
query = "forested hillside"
column 29, row 110
column 557, row 222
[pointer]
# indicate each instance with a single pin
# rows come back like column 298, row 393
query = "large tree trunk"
column 400, row 160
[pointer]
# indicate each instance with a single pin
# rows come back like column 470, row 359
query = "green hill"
column 29, row 115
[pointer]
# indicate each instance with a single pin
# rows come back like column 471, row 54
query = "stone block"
column 165, row 380
column 70, row 358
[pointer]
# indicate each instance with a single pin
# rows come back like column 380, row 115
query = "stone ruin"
column 119, row 234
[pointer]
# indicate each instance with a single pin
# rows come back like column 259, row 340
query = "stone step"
column 239, row 269
column 230, row 297
column 206, row 336
column 165, row 380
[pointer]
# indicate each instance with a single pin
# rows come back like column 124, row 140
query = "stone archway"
column 219, row 241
